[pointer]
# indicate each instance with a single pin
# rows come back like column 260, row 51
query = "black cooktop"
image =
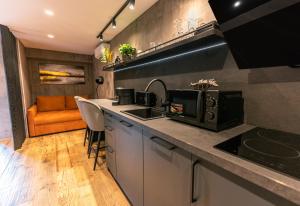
column 274, row 149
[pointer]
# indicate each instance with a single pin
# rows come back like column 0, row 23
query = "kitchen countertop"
column 200, row 142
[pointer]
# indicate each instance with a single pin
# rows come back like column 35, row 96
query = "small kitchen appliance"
column 124, row 96
column 212, row 109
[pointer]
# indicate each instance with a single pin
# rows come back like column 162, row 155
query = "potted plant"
column 127, row 52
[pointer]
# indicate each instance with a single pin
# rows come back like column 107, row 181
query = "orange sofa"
column 52, row 114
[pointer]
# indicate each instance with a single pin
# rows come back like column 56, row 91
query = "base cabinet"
column 167, row 173
column 212, row 189
column 129, row 159
column 153, row 172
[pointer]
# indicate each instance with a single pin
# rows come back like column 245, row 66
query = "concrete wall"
column 13, row 82
column 5, row 128
column 37, row 56
column 162, row 22
column 272, row 95
column 107, row 89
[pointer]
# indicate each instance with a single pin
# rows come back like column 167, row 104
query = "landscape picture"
column 61, row 74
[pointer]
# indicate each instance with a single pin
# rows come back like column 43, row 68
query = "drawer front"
column 111, row 160
column 213, row 187
column 110, row 141
column 167, row 173
column 129, row 158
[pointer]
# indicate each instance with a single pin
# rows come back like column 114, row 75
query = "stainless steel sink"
column 145, row 113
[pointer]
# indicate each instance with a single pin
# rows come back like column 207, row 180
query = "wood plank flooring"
column 55, row 170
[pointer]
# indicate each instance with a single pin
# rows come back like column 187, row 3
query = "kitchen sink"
column 145, row 113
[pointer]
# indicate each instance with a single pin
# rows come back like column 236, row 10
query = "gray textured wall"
column 106, row 90
column 5, row 128
column 37, row 56
column 10, row 60
column 272, row 95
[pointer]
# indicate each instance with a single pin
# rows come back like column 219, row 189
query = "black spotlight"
column 100, row 80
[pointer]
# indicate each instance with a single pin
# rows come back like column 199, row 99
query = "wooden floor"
column 55, row 170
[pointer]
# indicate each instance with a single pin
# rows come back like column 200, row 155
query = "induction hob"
column 274, row 149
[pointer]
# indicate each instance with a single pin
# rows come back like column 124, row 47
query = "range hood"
column 260, row 33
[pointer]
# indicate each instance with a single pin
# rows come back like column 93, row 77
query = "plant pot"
column 126, row 58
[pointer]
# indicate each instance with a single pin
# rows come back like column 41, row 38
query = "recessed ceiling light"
column 237, row 4
column 49, row 12
column 50, row 36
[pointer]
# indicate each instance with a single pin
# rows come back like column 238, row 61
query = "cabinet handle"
column 163, row 143
column 126, row 123
column 194, row 199
column 109, row 128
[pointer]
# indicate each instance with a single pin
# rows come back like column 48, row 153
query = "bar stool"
column 95, row 121
column 87, row 131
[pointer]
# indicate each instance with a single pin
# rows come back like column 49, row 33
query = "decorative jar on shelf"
column 127, row 52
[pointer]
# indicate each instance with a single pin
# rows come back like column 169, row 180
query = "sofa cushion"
column 71, row 103
column 56, row 117
column 50, row 103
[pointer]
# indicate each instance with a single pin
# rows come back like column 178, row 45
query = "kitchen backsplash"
column 272, row 95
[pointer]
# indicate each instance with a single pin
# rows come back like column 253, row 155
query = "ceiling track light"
column 101, row 37
column 131, row 4
column 112, row 22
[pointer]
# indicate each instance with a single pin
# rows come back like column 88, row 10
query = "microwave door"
column 200, row 107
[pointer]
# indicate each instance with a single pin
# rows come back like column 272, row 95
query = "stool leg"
column 90, row 143
column 98, row 148
column 85, row 136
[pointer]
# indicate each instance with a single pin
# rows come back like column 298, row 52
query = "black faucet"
column 166, row 103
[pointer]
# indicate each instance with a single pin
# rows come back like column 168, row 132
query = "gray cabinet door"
column 167, row 173
column 212, row 189
column 110, row 133
column 129, row 159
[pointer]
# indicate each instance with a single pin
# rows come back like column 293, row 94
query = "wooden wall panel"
column 38, row 56
column 58, row 56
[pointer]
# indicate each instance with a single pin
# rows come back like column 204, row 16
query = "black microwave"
column 213, row 109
